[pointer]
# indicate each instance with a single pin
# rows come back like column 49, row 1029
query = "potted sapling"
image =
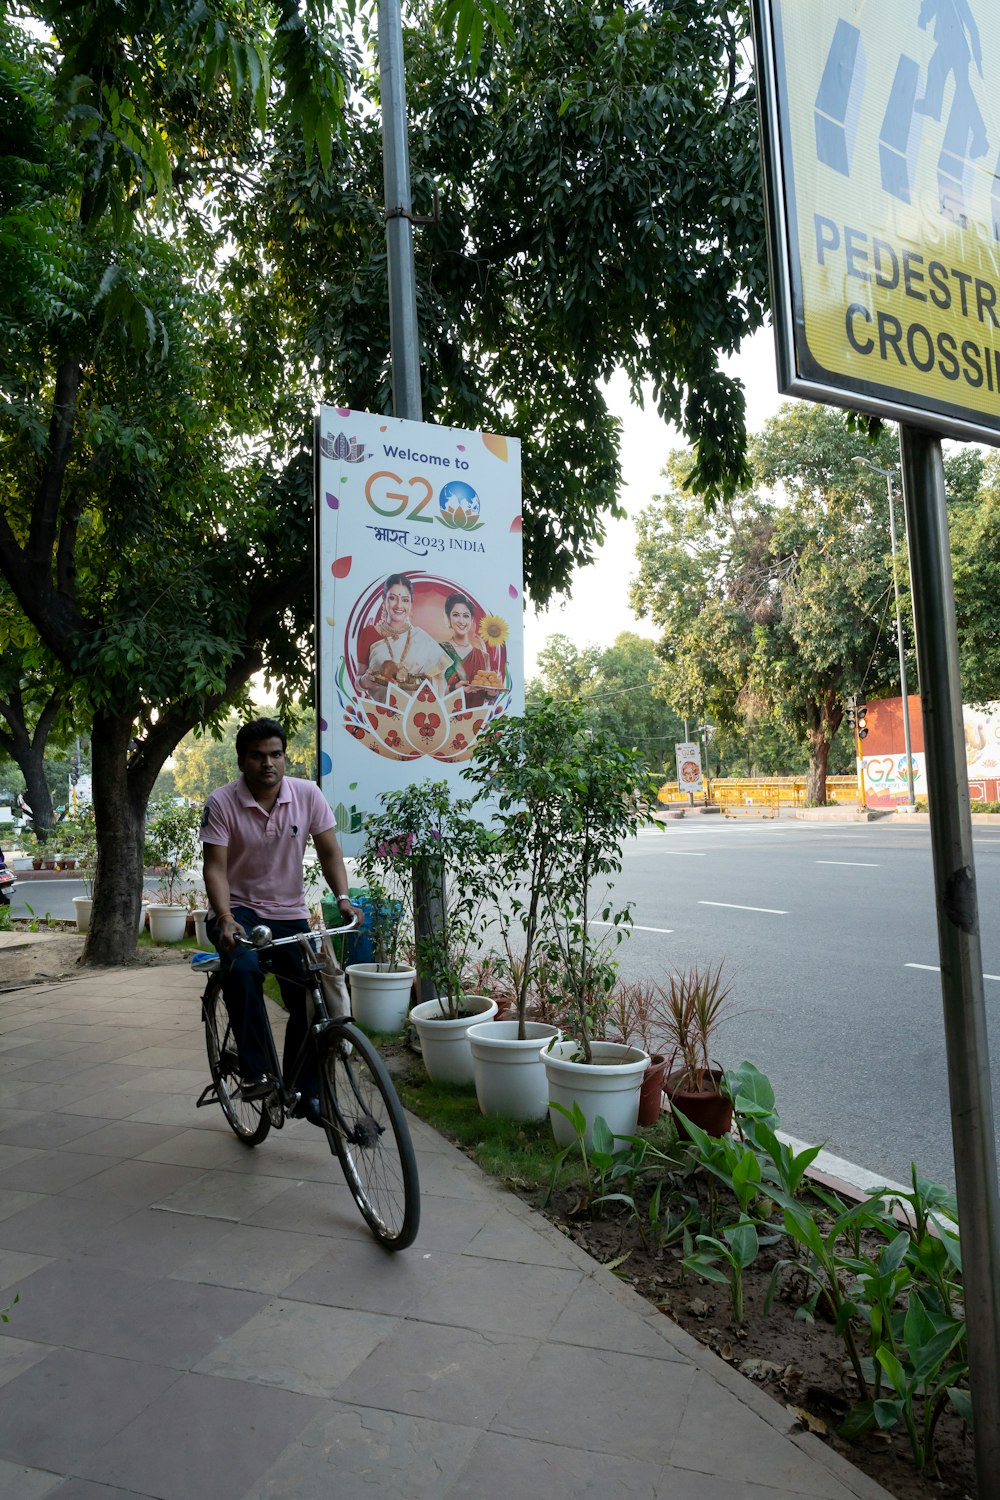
column 442, row 854
column 516, row 764
column 171, row 848
column 594, row 805
column 697, row 1002
column 381, row 989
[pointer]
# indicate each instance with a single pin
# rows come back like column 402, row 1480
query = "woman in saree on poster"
column 403, row 654
column 469, row 667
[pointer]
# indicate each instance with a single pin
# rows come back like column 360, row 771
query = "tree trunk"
column 36, row 791
column 819, row 755
column 120, row 812
column 27, row 750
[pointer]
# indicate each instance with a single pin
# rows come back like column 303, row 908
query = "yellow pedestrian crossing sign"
column 881, row 128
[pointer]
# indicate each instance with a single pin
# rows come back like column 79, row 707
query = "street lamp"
column 707, row 731
column 889, row 475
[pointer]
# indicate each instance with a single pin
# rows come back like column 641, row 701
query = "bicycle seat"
column 206, row 963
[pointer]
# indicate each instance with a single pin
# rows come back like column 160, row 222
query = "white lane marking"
column 861, row 864
column 689, row 853
column 635, row 927
column 936, row 969
column 735, row 906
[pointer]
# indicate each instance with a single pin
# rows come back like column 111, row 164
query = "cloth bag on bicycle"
column 331, row 978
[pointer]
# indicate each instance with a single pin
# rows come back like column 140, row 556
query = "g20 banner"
column 419, row 602
column 881, row 128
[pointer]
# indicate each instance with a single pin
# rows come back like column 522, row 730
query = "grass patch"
column 519, row 1153
column 187, row 943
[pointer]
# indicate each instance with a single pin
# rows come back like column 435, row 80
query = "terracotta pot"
column 651, row 1092
column 710, row 1110
column 36, row 863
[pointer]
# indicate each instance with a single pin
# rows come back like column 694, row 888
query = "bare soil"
column 53, row 953
column 801, row 1364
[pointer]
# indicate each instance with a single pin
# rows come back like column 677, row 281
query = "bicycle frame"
column 321, row 1023
column 358, row 1108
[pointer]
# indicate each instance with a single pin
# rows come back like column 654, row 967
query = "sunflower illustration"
column 493, row 631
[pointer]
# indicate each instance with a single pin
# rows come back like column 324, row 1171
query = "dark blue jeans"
column 243, row 991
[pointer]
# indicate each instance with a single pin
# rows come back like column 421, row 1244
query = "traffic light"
column 849, row 713
column 862, row 712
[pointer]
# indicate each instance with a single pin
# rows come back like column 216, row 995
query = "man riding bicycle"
column 254, row 831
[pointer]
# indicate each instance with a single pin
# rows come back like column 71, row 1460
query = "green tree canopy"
column 598, row 206
column 617, row 688
column 189, row 210
column 782, row 603
column 974, row 523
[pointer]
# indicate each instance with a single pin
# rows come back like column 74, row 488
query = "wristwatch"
column 342, row 899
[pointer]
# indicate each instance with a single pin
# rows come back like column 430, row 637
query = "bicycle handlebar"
column 260, row 936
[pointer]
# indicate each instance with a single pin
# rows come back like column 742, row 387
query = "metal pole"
column 404, row 338
column 404, row 333
column 958, row 932
column 859, row 752
column 888, row 475
column 911, row 800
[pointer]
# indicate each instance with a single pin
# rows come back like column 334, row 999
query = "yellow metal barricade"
column 760, row 796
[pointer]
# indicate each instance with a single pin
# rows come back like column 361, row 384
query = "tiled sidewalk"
column 198, row 1321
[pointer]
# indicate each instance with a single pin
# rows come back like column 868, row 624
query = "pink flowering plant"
column 427, row 847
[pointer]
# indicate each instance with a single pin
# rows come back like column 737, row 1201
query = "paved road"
column 820, row 927
column 45, row 897
column 54, row 898
column 825, row 1001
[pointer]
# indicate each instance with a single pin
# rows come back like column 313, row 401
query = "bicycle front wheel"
column 248, row 1118
column 366, row 1127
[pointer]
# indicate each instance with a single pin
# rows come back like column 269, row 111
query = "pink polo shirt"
column 266, row 849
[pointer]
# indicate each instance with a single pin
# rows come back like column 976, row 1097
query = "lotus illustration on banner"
column 409, row 725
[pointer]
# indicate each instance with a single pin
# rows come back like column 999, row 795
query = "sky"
column 597, row 608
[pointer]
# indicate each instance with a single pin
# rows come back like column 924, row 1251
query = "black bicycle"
column 360, row 1110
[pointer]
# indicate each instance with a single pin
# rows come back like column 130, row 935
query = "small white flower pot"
column 444, row 1043
column 608, row 1086
column 380, row 998
column 509, row 1074
column 166, row 923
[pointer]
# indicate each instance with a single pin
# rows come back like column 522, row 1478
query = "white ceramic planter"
column 608, row 1087
column 444, row 1044
column 84, row 905
column 380, row 999
column 509, row 1074
column 166, row 923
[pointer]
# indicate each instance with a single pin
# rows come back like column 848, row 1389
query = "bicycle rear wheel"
column 366, row 1127
column 248, row 1118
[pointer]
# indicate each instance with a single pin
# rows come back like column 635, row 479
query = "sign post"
column 880, row 130
column 689, row 774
